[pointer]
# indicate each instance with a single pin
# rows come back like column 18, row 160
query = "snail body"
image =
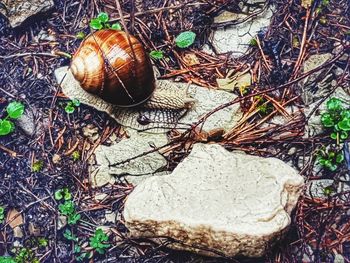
column 120, row 73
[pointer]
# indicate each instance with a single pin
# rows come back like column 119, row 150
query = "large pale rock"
column 236, row 38
column 108, row 157
column 17, row 11
column 207, row 100
column 232, row 203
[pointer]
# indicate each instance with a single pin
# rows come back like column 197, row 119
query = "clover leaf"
column 334, row 104
column 6, row 127
column 96, row 24
column 156, row 54
column 185, row 39
column 327, row 120
column 344, row 124
column 116, row 26
column 103, row 17
column 15, row 109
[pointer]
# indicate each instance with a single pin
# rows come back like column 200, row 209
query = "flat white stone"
column 236, row 38
column 19, row 10
column 207, row 100
column 139, row 143
column 229, row 202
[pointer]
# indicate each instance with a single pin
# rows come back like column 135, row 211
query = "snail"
column 117, row 68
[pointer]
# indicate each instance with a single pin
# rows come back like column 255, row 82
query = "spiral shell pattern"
column 106, row 65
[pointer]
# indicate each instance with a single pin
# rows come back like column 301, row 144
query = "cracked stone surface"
column 134, row 171
column 236, row 38
column 207, row 100
column 314, row 91
column 17, row 11
column 230, row 202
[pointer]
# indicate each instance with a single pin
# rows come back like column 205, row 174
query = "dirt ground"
column 37, row 158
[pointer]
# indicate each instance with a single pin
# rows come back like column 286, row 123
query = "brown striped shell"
column 104, row 65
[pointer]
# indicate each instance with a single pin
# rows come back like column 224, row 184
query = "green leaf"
column 340, row 157
column 328, row 190
column 345, row 114
column 96, row 24
column 66, row 208
column 334, row 104
column 253, row 42
column 73, row 219
column 37, row 166
column 185, row 39
column 69, row 109
column 58, row 194
column 334, row 135
column 344, row 125
column 69, row 235
column 77, row 249
column 15, row 109
column 103, row 17
column 76, row 155
column 67, row 194
column 80, row 35
column 156, row 54
column 43, row 242
column 327, row 120
column 332, row 167
column 6, row 127
column 116, row 26
column 76, row 102
column 343, row 135
column 96, row 241
column 4, row 259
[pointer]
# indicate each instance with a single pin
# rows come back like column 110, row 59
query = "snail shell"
column 106, row 65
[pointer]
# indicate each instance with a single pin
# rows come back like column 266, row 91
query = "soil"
column 319, row 226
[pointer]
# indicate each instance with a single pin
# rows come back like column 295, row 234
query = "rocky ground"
column 255, row 172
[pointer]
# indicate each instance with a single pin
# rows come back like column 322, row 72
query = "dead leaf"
column 191, row 59
column 237, row 81
column 14, row 218
column 306, row 3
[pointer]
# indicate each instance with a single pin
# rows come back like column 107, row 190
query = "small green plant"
column 37, row 166
column 330, row 159
column 68, row 209
column 14, row 110
column 80, row 255
column 26, row 255
column 102, row 22
column 328, row 190
column 63, row 194
column 253, row 42
column 295, row 42
column 71, row 105
column 185, row 39
column 70, row 236
column 80, row 35
column 76, row 156
column 336, row 119
column 4, row 259
column 265, row 107
column 42, row 242
column 98, row 241
column 156, row 54
column 2, row 214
